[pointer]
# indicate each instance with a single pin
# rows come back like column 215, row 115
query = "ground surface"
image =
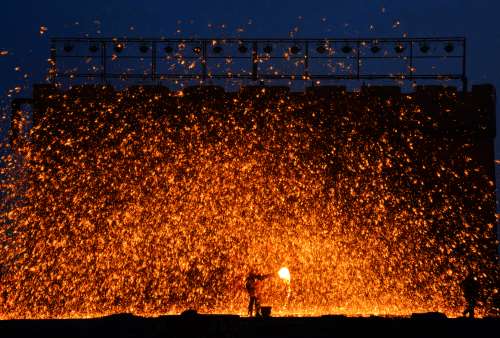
column 124, row 325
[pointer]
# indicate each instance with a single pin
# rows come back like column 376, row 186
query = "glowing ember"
column 284, row 274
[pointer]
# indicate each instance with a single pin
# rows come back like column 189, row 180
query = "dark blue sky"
column 20, row 23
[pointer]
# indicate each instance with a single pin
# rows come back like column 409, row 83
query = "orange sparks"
column 155, row 203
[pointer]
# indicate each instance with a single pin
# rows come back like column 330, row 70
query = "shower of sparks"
column 153, row 204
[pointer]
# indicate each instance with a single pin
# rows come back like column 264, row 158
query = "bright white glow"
column 284, row 274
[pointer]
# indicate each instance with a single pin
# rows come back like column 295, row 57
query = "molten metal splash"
column 109, row 207
column 284, row 274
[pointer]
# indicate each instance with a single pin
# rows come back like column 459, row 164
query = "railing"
column 405, row 59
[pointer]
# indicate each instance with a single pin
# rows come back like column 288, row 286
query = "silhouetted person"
column 251, row 284
column 470, row 286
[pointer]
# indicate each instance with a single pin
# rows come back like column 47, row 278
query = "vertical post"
column 204, row 59
column 358, row 59
column 103, row 62
column 254, row 61
column 53, row 63
column 306, row 60
column 153, row 61
column 464, row 65
column 411, row 60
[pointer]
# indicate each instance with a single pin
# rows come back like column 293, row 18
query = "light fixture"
column 399, row 48
column 321, row 49
column 242, row 48
column 346, row 49
column 93, row 48
column 217, row 49
column 68, row 47
column 119, row 47
column 375, row 48
column 168, row 49
column 197, row 50
column 294, row 49
column 424, row 47
column 448, row 47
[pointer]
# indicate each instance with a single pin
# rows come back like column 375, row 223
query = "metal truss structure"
column 158, row 59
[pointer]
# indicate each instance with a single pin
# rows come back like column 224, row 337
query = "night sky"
column 21, row 22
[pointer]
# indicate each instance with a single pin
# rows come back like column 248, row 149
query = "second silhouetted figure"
column 470, row 286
